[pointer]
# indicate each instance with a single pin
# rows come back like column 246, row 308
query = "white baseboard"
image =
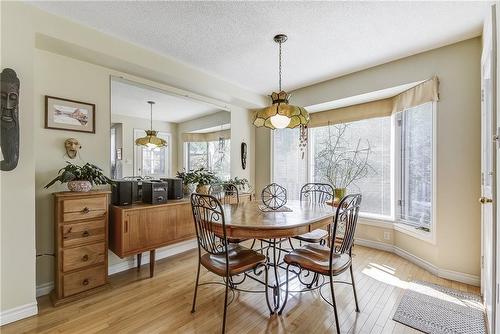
column 131, row 262
column 375, row 244
column 44, row 289
column 18, row 313
column 443, row 273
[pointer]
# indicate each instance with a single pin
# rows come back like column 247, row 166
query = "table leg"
column 152, row 263
column 139, row 259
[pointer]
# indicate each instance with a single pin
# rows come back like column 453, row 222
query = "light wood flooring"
column 136, row 304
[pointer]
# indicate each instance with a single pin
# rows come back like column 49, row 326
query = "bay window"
column 388, row 159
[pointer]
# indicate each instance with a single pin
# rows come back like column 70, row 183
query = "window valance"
column 421, row 93
column 209, row 136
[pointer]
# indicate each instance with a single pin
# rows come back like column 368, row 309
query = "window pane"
column 289, row 169
column 219, row 158
column 416, row 165
column 356, row 155
column 214, row 156
column 197, row 155
column 153, row 161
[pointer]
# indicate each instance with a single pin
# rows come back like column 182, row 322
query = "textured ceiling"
column 233, row 40
column 130, row 99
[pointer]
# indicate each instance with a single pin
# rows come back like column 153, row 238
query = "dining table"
column 274, row 228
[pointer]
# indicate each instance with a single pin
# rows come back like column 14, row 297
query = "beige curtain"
column 421, row 93
column 209, row 136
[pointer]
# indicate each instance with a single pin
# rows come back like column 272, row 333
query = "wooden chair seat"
column 315, row 236
column 316, row 258
column 241, row 259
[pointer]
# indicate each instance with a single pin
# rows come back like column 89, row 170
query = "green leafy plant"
column 187, row 177
column 200, row 176
column 204, row 177
column 240, row 183
column 87, row 172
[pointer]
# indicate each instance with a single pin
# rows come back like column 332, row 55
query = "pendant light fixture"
column 280, row 114
column 151, row 140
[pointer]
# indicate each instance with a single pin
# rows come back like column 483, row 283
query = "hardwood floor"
column 136, row 304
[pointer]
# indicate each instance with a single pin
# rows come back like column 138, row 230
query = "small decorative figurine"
column 72, row 146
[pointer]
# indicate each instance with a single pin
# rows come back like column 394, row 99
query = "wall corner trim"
column 18, row 313
column 443, row 273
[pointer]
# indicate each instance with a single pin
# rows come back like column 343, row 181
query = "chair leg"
column 225, row 307
column 290, row 241
column 253, row 244
column 196, row 287
column 334, row 304
column 354, row 289
column 286, row 292
column 266, row 281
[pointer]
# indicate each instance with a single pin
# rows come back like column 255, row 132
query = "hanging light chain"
column 280, row 72
column 151, row 118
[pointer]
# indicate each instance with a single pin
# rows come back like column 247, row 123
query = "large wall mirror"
column 197, row 133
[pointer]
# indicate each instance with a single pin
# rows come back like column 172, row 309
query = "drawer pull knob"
column 85, row 234
column 85, row 258
column 85, row 210
column 85, row 282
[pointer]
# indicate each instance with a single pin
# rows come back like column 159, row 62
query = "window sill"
column 389, row 223
column 413, row 232
column 375, row 220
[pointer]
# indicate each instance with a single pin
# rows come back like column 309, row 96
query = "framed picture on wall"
column 70, row 115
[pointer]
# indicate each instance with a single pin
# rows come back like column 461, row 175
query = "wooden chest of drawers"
column 81, row 244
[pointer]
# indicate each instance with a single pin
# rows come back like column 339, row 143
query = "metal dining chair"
column 315, row 193
column 333, row 260
column 226, row 193
column 215, row 253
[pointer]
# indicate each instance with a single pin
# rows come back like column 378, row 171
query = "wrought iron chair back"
column 316, row 192
column 208, row 210
column 225, row 192
column 344, row 225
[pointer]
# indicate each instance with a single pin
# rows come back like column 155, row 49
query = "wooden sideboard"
column 140, row 227
column 81, row 244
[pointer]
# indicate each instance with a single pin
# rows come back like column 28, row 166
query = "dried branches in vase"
column 340, row 161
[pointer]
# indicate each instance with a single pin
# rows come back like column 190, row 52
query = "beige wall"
column 57, row 57
column 241, row 132
column 17, row 217
column 128, row 126
column 458, row 146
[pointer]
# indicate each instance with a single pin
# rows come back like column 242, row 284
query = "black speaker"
column 124, row 192
column 174, row 188
column 154, row 192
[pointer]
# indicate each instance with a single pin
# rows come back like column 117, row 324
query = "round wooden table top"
column 246, row 220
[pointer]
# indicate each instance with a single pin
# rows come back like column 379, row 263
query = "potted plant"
column 80, row 178
column 204, row 178
column 241, row 184
column 188, row 181
column 340, row 161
